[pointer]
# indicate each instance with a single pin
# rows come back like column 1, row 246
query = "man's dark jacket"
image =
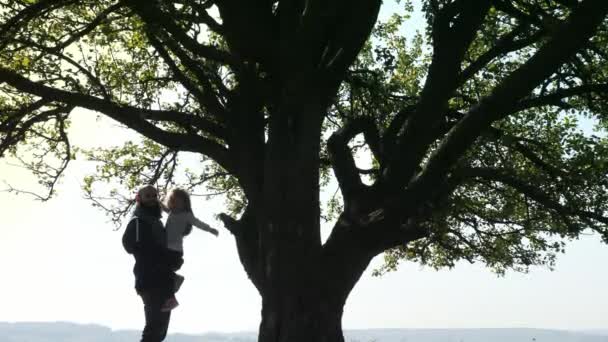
column 145, row 238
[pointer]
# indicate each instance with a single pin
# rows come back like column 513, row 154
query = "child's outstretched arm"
column 202, row 225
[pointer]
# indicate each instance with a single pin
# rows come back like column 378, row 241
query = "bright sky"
column 62, row 261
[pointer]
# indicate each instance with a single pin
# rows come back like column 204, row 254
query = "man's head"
column 147, row 196
column 147, row 199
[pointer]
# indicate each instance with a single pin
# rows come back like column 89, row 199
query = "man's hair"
column 146, row 187
column 154, row 210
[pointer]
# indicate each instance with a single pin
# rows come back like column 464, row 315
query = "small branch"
column 504, row 45
column 533, row 192
column 515, row 143
column 94, row 79
column 89, row 27
column 555, row 98
column 181, row 76
column 207, row 96
column 154, row 17
column 202, row 16
column 48, row 175
column 30, row 12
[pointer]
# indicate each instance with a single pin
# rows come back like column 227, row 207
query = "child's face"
column 175, row 203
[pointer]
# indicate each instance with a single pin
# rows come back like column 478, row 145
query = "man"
column 145, row 239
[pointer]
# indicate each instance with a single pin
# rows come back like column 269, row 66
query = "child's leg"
column 176, row 260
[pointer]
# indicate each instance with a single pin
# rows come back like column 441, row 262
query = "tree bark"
column 299, row 317
column 305, row 300
column 287, row 261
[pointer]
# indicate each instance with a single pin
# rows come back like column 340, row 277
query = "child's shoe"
column 169, row 305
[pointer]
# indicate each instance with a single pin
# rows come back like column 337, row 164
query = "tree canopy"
column 484, row 131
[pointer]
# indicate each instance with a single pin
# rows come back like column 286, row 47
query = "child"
column 179, row 224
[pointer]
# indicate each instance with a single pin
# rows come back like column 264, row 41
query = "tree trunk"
column 295, row 305
column 298, row 317
column 302, row 283
column 305, row 287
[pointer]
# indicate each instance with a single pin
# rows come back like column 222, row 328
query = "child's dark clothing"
column 175, row 259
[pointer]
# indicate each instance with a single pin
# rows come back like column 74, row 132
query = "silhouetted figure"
column 145, row 238
column 179, row 224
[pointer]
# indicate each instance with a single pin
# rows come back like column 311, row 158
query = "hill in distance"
column 70, row 332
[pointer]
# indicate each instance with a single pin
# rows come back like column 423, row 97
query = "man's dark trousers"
column 157, row 322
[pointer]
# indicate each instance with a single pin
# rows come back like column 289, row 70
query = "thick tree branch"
column 375, row 233
column 352, row 245
column 184, row 120
column 343, row 162
column 341, row 157
column 289, row 15
column 452, row 36
column 323, row 37
column 385, row 237
column 348, row 30
column 247, row 241
column 132, row 117
column 507, row 7
column 391, row 134
column 372, row 138
column 571, row 36
column 250, row 30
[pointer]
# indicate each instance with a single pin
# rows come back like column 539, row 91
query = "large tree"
column 471, row 129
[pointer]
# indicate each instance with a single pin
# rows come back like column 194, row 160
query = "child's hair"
column 185, row 197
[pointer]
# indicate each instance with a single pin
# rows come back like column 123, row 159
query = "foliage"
column 178, row 73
